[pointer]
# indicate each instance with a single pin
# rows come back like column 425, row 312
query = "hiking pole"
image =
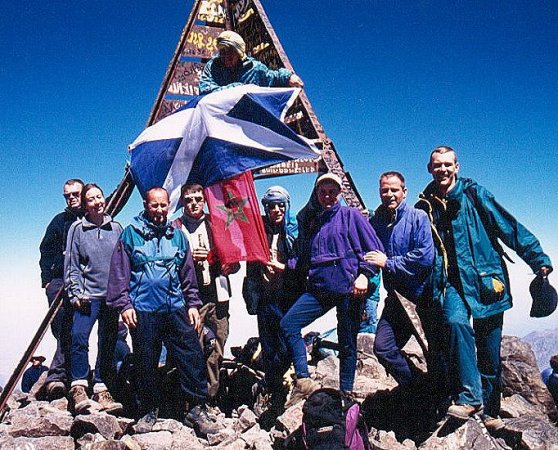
column 27, row 355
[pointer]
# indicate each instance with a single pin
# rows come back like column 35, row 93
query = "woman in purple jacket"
column 333, row 240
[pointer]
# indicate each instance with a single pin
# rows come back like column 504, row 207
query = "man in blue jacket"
column 52, row 250
column 231, row 67
column 470, row 279
column 406, row 266
column 152, row 283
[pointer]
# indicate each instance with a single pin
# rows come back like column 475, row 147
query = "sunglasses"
column 281, row 205
column 189, row 200
column 72, row 194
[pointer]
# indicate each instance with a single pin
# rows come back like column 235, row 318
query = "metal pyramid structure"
column 197, row 44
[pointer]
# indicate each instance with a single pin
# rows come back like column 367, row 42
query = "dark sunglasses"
column 273, row 205
column 72, row 194
column 189, row 200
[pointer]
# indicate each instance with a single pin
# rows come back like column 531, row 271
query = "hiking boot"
column 79, row 399
column 492, row 423
column 303, row 388
column 199, row 419
column 55, row 390
column 107, row 403
column 463, row 412
column 145, row 424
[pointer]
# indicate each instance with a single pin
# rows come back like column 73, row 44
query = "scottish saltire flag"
column 216, row 137
column 236, row 223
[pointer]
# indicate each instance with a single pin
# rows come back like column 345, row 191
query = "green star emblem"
column 234, row 209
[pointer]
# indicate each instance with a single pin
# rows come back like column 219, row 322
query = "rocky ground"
column 395, row 421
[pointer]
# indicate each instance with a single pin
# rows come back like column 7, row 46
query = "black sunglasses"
column 189, row 200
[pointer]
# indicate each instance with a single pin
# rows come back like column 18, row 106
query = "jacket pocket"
column 333, row 276
column 491, row 287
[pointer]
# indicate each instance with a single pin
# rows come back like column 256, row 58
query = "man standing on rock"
column 470, row 279
column 211, row 275
column 153, row 285
column 52, row 250
column 406, row 266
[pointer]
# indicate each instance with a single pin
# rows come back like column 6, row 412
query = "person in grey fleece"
column 89, row 248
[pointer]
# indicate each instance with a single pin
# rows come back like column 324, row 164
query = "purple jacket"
column 333, row 248
column 409, row 248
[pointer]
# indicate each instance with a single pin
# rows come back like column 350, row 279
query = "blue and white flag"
column 218, row 136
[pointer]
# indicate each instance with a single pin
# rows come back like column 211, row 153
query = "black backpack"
column 332, row 421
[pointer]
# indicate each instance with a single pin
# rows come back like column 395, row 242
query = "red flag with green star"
column 236, row 222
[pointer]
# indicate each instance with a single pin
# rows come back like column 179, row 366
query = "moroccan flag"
column 236, row 222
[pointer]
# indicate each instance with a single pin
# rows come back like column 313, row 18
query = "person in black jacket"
column 268, row 290
column 33, row 372
column 52, row 250
column 551, row 380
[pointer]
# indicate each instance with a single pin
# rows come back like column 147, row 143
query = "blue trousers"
column 106, row 342
column 183, row 348
column 473, row 354
column 308, row 308
column 62, row 331
column 275, row 352
column 393, row 332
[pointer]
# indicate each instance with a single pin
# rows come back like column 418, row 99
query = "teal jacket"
column 152, row 270
column 476, row 221
column 216, row 77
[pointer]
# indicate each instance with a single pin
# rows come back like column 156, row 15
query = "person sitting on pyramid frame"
column 231, row 67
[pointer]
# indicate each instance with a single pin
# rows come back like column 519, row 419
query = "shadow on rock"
column 409, row 413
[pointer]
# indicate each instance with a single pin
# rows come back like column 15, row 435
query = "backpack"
column 332, row 421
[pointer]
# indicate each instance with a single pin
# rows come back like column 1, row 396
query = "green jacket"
column 476, row 221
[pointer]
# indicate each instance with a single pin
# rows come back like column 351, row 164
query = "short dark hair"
column 191, row 187
column 554, row 362
column 74, row 181
column 87, row 188
column 393, row 173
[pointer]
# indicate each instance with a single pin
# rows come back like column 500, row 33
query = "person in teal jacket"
column 470, row 279
column 152, row 284
column 232, row 67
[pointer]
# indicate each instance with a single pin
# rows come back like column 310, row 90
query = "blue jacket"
column 152, row 269
column 333, row 249
column 87, row 260
column 471, row 217
column 552, row 385
column 216, row 77
column 409, row 247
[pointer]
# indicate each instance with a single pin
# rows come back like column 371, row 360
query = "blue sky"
column 389, row 81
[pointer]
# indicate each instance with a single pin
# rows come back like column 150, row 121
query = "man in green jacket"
column 470, row 279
